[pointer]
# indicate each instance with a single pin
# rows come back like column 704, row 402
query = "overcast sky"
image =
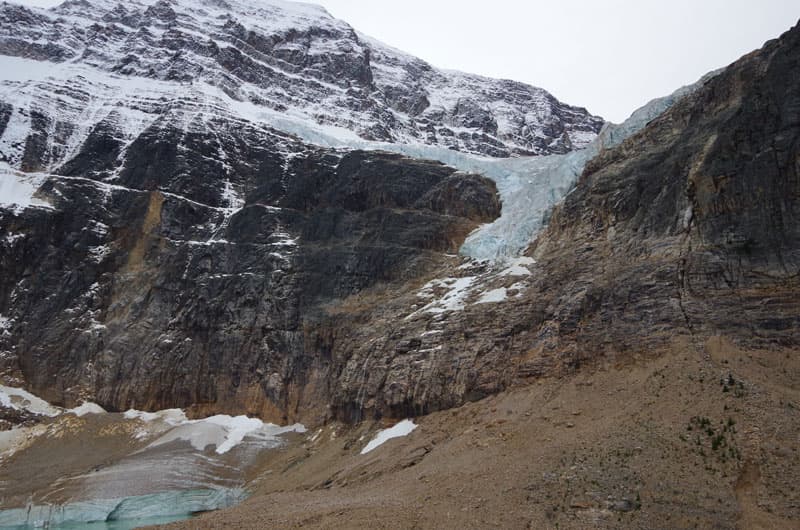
column 610, row 56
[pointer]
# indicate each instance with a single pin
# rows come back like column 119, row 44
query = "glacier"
column 123, row 513
column 85, row 92
column 92, row 91
column 175, row 467
column 529, row 187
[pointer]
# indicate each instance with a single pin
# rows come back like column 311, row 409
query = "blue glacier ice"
column 124, row 513
column 529, row 187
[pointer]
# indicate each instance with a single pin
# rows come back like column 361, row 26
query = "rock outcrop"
column 691, row 226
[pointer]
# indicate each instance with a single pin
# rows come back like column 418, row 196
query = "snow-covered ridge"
column 286, row 66
column 288, row 58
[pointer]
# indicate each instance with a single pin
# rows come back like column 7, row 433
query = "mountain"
column 126, row 65
column 173, row 237
column 170, row 240
column 638, row 370
column 168, row 244
column 251, row 209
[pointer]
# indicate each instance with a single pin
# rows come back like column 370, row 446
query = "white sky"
column 610, row 56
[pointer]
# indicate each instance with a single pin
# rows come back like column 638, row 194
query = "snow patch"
column 224, row 432
column 237, row 428
column 518, row 267
column 17, row 189
column 453, row 299
column 11, row 239
column 231, row 197
column 99, row 253
column 519, row 288
column 19, row 399
column 404, row 428
column 87, row 408
column 168, row 416
column 493, row 296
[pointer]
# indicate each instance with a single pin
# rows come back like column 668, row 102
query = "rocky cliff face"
column 166, row 242
column 170, row 245
column 156, row 291
column 690, row 227
column 686, row 231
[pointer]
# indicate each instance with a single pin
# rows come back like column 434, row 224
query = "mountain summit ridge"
column 293, row 60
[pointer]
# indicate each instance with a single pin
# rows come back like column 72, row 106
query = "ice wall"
column 118, row 514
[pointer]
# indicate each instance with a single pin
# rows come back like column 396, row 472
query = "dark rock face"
column 11, row 418
column 695, row 219
column 191, row 278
